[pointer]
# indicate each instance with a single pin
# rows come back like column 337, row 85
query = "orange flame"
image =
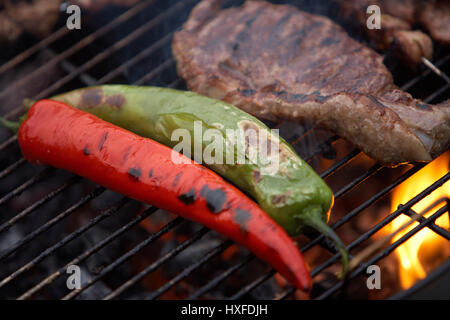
column 411, row 268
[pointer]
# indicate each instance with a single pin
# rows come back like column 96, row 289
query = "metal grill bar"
column 154, row 72
column 322, row 147
column 135, row 250
column 61, row 32
column 371, row 201
column 433, row 276
column 213, row 253
column 222, row 277
column 137, row 58
column 318, row 240
column 216, row 281
column 424, row 74
column 12, row 167
column 105, row 214
column 44, row 173
column 374, row 169
column 346, row 218
column 216, row 251
column 116, row 46
column 252, row 285
column 8, row 142
column 375, row 229
column 8, row 224
column 175, row 84
column 437, row 93
column 80, row 45
column 338, row 165
column 435, row 69
column 434, row 227
column 387, row 251
column 388, row 219
column 400, row 210
column 89, row 252
column 69, row 68
column 165, row 65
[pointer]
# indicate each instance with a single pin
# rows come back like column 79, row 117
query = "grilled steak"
column 277, row 62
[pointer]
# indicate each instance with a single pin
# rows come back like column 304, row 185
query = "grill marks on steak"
column 277, row 62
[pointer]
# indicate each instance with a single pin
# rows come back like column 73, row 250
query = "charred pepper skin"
column 59, row 135
column 295, row 196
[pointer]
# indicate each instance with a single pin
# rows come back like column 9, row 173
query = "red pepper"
column 64, row 137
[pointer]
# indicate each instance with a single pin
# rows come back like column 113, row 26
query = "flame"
column 411, row 268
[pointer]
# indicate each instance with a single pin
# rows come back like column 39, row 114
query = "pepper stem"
column 11, row 125
column 313, row 219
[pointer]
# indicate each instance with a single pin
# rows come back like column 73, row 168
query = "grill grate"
column 161, row 28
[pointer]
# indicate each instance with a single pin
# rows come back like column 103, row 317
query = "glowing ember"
column 411, row 268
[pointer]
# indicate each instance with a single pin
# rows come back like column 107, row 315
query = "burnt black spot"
column 298, row 97
column 126, row 154
column 177, row 178
column 102, row 141
column 284, row 19
column 242, row 36
column 257, row 176
column 116, row 101
column 235, row 46
column 246, row 92
column 134, row 173
column 215, row 198
column 423, row 106
column 241, row 217
column 375, row 100
column 280, row 93
column 278, row 199
column 188, row 197
column 150, row 174
column 320, row 98
column 91, row 98
column 86, row 151
column 379, row 104
column 328, row 42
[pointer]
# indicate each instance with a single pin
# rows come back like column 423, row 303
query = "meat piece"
column 9, row 30
column 36, row 17
column 277, row 62
column 396, row 19
column 402, row 9
column 435, row 17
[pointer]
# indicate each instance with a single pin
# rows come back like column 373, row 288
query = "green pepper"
column 293, row 194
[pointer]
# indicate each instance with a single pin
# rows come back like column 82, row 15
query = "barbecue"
column 51, row 219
